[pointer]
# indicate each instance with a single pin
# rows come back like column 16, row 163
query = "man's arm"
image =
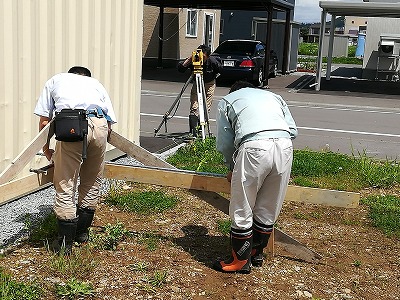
column 46, row 150
column 225, row 135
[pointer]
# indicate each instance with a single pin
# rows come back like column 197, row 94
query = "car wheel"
column 274, row 72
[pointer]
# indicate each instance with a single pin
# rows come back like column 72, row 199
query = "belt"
column 98, row 113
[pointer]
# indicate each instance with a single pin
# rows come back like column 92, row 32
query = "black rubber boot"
column 193, row 124
column 239, row 262
column 66, row 236
column 85, row 221
column 261, row 234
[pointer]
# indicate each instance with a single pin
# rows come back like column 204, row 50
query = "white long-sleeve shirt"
column 251, row 114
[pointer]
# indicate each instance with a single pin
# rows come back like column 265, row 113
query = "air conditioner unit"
column 389, row 47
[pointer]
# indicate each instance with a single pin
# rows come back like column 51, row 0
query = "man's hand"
column 229, row 176
column 48, row 153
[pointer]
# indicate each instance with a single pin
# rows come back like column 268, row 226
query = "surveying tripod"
column 197, row 75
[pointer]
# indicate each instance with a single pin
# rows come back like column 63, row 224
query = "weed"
column 158, row 278
column 113, row 234
column 151, row 283
column 300, row 216
column 224, row 226
column 13, row 290
column 79, row 264
column 139, row 266
column 150, row 240
column 357, row 263
column 315, row 215
column 351, row 222
column 73, row 289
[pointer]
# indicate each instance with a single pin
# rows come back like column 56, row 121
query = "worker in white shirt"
column 76, row 90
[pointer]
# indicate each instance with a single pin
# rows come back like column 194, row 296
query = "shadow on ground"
column 347, row 81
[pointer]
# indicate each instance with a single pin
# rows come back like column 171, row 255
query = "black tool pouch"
column 71, row 125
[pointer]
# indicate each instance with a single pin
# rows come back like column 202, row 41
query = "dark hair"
column 241, row 84
column 80, row 70
column 206, row 50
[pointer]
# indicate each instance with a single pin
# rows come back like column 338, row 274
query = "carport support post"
column 330, row 48
column 268, row 44
column 160, row 36
column 285, row 61
column 321, row 42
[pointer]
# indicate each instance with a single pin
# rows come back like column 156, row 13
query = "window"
column 191, row 23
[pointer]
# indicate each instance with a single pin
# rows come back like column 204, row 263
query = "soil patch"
column 359, row 261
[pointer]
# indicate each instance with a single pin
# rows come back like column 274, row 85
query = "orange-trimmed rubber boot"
column 239, row 261
column 261, row 234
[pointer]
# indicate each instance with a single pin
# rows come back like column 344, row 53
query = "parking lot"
column 348, row 115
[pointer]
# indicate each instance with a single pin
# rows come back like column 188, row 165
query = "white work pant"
column 68, row 166
column 259, row 181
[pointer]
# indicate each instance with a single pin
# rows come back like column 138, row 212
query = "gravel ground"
column 15, row 215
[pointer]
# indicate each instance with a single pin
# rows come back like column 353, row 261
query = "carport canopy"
column 248, row 5
column 347, row 8
column 222, row 4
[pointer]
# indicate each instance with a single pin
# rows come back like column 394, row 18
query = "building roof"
column 361, row 9
column 224, row 4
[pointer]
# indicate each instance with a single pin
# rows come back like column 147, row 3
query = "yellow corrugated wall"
column 40, row 38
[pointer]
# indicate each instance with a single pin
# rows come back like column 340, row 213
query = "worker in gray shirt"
column 254, row 133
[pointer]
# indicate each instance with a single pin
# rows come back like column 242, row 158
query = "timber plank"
column 27, row 154
column 168, row 177
column 135, row 151
column 219, row 184
column 25, row 185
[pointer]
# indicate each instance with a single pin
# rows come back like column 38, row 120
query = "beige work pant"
column 68, row 166
column 259, row 181
column 209, row 88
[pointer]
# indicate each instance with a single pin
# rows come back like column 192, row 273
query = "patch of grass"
column 224, row 226
column 74, row 289
column 80, row 264
column 44, row 230
column 151, row 241
column 317, row 169
column 199, row 156
column 385, row 213
column 381, row 174
column 14, row 290
column 109, row 239
column 141, row 202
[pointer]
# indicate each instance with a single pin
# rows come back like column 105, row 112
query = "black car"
column 244, row 60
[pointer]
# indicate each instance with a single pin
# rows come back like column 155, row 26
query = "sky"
column 308, row 11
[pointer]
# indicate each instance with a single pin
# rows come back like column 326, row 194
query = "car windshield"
column 240, row 48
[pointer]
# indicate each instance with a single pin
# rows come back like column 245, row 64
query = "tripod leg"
column 200, row 100
column 206, row 109
column 166, row 115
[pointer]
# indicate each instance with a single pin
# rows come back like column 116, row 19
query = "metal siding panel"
column 45, row 37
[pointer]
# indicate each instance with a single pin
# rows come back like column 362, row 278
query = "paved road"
column 346, row 121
